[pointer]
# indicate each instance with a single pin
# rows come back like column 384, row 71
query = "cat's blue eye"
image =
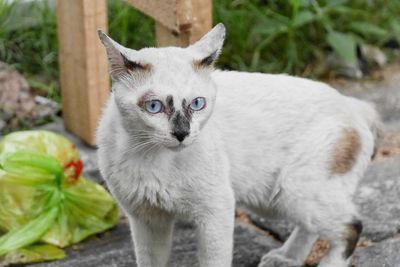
column 198, row 103
column 153, row 106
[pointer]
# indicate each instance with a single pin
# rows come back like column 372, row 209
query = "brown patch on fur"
column 135, row 65
column 198, row 65
column 317, row 252
column 205, row 62
column 321, row 247
column 146, row 67
column 346, row 151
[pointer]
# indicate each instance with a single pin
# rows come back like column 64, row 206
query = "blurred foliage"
column 128, row 26
column 286, row 36
column 28, row 38
column 263, row 35
column 28, row 41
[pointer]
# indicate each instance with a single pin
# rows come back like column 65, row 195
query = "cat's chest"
column 144, row 184
column 172, row 181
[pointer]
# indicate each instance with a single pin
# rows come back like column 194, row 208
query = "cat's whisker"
column 139, row 146
column 144, row 138
column 155, row 145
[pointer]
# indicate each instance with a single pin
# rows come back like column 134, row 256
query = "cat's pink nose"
column 180, row 135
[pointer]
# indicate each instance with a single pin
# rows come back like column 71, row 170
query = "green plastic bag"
column 44, row 198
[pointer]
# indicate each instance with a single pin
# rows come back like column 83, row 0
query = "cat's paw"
column 276, row 260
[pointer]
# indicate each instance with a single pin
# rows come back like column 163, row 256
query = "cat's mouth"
column 178, row 147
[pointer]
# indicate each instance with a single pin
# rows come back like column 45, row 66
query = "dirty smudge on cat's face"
column 181, row 117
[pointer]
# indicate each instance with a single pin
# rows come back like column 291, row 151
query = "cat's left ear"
column 119, row 64
column 208, row 48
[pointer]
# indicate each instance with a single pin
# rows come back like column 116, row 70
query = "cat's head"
column 165, row 95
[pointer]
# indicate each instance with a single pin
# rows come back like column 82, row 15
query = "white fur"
column 264, row 140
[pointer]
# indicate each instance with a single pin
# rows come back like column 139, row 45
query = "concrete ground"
column 378, row 199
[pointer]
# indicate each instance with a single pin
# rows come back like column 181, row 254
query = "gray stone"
column 114, row 248
column 383, row 254
column 378, row 199
column 250, row 245
column 280, row 229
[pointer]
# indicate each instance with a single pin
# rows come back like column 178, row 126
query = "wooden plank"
column 201, row 19
column 168, row 37
column 83, row 66
column 178, row 22
column 163, row 11
column 193, row 18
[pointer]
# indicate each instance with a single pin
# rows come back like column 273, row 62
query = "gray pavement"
column 378, row 199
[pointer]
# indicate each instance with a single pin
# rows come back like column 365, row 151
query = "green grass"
column 263, row 35
column 287, row 36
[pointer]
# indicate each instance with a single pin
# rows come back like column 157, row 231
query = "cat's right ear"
column 208, row 48
column 119, row 63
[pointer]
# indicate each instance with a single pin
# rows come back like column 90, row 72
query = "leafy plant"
column 288, row 35
column 28, row 41
column 130, row 27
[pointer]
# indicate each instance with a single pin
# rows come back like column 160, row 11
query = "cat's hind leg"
column 293, row 252
column 325, row 213
column 342, row 244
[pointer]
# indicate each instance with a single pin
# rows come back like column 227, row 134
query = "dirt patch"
column 242, row 217
column 388, row 146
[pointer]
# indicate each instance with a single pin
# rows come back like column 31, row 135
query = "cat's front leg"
column 152, row 238
column 215, row 232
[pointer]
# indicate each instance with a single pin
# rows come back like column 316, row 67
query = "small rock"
column 280, row 229
column 16, row 100
column 18, row 106
column 46, row 107
column 373, row 55
column 250, row 245
column 343, row 68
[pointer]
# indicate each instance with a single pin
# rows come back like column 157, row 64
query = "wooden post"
column 83, row 66
column 178, row 22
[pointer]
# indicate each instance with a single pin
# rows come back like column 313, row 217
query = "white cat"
column 180, row 139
